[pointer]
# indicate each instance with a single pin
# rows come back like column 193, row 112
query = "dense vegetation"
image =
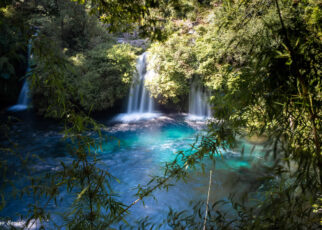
column 82, row 45
column 13, row 45
column 260, row 59
column 100, row 77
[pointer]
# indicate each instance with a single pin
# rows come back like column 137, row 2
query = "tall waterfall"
column 199, row 107
column 139, row 100
column 23, row 99
column 140, row 104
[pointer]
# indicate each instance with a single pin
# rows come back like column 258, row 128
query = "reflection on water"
column 138, row 152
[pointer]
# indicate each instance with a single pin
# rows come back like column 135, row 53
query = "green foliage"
column 175, row 65
column 99, row 77
column 124, row 16
column 96, row 67
column 94, row 205
column 69, row 25
column 13, row 44
column 149, row 17
column 262, row 61
column 105, row 76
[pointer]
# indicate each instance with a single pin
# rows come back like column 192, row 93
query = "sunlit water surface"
column 136, row 152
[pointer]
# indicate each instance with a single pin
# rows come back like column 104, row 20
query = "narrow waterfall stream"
column 199, row 107
column 23, row 99
column 140, row 103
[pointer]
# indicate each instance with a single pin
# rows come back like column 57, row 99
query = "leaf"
column 82, row 192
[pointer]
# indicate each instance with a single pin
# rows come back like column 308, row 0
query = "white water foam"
column 133, row 117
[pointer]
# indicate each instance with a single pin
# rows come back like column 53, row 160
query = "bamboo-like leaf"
column 80, row 195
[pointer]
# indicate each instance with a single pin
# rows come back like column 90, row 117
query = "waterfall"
column 140, row 104
column 139, row 100
column 199, row 107
column 23, row 99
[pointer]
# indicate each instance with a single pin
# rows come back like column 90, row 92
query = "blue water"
column 135, row 152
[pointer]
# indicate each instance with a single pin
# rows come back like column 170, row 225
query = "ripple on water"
column 136, row 152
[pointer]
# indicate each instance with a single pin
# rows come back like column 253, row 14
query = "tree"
column 262, row 60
